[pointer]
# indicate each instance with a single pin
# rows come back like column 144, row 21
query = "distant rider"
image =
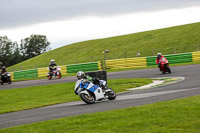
column 3, row 70
column 81, row 76
column 52, row 64
column 158, row 60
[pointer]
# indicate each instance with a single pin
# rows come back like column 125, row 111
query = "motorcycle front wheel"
column 111, row 94
column 59, row 75
column 169, row 70
column 9, row 81
column 89, row 99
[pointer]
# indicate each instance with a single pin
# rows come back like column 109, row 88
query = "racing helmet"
column 3, row 68
column 52, row 61
column 159, row 55
column 80, row 75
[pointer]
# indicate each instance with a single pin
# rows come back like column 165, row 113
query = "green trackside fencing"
column 173, row 59
column 25, row 74
column 93, row 66
column 42, row 72
column 151, row 60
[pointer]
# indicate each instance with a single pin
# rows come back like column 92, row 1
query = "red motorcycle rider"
column 163, row 63
column 159, row 60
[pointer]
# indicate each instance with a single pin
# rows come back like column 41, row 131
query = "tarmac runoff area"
column 160, row 82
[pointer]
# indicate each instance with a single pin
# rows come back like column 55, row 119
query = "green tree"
column 6, row 50
column 16, row 56
column 34, row 45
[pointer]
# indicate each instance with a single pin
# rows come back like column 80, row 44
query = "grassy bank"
column 175, row 116
column 181, row 39
column 38, row 96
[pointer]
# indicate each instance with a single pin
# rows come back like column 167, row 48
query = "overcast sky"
column 69, row 21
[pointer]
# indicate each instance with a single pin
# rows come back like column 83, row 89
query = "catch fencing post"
column 138, row 53
column 91, row 59
column 105, row 57
column 153, row 52
column 174, row 50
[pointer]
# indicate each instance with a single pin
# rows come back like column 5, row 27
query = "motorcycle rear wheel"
column 89, row 99
column 111, row 94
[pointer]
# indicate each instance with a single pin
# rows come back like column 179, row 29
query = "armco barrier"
column 111, row 64
column 93, row 66
column 173, row 59
column 196, row 56
column 63, row 69
column 26, row 74
column 12, row 75
column 42, row 72
column 126, row 63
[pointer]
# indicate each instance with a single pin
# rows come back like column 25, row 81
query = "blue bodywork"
column 92, row 89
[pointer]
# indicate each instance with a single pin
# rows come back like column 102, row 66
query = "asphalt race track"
column 188, row 87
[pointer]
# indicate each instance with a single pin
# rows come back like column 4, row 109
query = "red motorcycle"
column 164, row 65
column 55, row 73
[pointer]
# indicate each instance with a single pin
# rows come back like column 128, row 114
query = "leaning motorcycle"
column 90, row 92
column 165, row 66
column 5, row 78
column 55, row 73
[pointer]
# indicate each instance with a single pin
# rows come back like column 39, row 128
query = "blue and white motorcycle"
column 90, row 92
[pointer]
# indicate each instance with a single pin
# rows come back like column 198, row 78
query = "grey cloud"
column 16, row 13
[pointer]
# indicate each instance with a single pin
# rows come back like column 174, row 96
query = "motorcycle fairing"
column 93, row 88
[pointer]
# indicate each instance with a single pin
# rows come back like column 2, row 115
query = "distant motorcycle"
column 90, row 92
column 165, row 66
column 5, row 78
column 55, row 73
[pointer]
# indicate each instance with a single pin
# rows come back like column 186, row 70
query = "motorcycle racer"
column 158, row 60
column 81, row 76
column 52, row 64
column 3, row 70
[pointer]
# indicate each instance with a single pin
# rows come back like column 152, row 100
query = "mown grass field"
column 38, row 96
column 181, row 39
column 175, row 116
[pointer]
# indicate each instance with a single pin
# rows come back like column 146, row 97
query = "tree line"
column 12, row 53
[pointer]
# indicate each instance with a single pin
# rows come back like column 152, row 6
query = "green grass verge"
column 175, row 116
column 182, row 38
column 38, row 96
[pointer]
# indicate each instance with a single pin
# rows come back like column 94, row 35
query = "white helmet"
column 52, row 61
column 159, row 55
column 80, row 75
